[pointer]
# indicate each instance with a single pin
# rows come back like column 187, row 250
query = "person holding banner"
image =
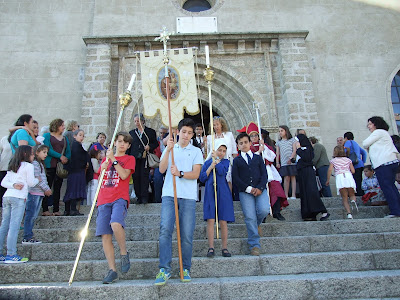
column 188, row 161
column 224, row 196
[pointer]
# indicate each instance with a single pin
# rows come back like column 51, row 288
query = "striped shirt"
column 341, row 165
column 285, row 150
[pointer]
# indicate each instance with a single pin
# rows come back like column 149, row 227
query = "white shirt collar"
column 245, row 156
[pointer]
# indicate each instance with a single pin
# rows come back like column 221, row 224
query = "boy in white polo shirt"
column 187, row 167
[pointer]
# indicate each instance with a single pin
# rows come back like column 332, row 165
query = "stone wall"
column 42, row 54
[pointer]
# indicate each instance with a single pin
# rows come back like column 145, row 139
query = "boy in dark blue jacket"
column 250, row 177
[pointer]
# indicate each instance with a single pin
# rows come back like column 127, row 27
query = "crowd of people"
column 260, row 173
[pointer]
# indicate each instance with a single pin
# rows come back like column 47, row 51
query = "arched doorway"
column 206, row 116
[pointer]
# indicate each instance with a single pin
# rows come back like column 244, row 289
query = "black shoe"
column 310, row 219
column 75, row 213
column 225, row 253
column 66, row 213
column 210, row 252
column 279, row 217
column 325, row 218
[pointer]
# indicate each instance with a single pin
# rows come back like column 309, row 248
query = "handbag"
column 353, row 156
column 60, row 171
column 153, row 161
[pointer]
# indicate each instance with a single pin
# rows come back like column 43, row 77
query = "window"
column 395, row 92
column 196, row 5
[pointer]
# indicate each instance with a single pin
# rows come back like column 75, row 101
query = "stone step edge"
column 221, row 280
column 234, row 239
column 273, row 222
column 242, row 256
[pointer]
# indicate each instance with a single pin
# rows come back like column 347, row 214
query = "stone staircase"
column 337, row 259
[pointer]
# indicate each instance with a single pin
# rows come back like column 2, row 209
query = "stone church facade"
column 322, row 66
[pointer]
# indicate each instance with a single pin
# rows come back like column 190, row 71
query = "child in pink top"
column 345, row 183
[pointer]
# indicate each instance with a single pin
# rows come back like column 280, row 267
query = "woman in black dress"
column 311, row 204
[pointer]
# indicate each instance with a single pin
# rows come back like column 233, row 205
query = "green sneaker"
column 162, row 277
column 186, row 276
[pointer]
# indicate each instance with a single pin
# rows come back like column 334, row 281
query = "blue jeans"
column 187, row 221
column 158, row 185
column 13, row 212
column 386, row 177
column 322, row 174
column 255, row 209
column 33, row 204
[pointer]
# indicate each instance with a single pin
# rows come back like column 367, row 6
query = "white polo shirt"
column 185, row 158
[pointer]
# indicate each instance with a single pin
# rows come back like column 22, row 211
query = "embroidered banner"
column 182, row 84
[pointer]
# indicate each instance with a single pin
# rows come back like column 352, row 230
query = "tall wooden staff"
column 209, row 76
column 124, row 99
column 164, row 37
column 255, row 106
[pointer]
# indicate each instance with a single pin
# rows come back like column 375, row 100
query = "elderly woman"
column 383, row 155
column 221, row 132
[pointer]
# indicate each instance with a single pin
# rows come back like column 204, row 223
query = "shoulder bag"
column 60, row 171
column 153, row 161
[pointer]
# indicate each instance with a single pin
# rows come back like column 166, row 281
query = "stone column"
column 297, row 88
column 97, row 92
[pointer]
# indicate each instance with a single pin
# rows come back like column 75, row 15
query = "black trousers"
column 56, row 182
column 358, row 179
column 141, row 181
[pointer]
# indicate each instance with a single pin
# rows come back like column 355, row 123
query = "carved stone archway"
column 270, row 69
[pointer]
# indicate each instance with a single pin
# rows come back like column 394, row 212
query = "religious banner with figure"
column 183, row 91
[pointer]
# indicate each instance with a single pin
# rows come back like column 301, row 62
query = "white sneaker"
column 354, row 203
column 349, row 216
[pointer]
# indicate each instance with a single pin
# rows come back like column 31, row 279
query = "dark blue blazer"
column 244, row 175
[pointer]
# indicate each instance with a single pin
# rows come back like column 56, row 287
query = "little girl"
column 95, row 156
column 345, row 183
column 76, row 184
column 19, row 177
column 36, row 194
column 224, row 196
column 285, row 159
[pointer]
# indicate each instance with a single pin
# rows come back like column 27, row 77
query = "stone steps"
column 292, row 215
column 336, row 259
column 237, row 246
column 333, row 285
column 270, row 229
column 203, row 267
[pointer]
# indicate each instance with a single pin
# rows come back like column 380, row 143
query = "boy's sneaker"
column 162, row 277
column 15, row 259
column 2, row 259
column 125, row 263
column 110, row 277
column 186, row 276
column 349, row 216
column 31, row 241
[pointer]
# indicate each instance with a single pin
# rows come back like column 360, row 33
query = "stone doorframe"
column 269, row 68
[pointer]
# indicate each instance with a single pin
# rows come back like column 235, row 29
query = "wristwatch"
column 115, row 163
column 181, row 173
